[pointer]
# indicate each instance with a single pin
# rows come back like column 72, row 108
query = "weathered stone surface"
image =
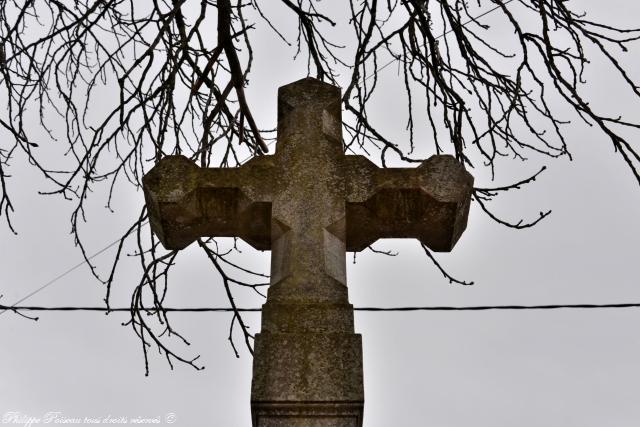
column 311, row 415
column 306, row 317
column 429, row 203
column 308, row 203
column 186, row 202
column 310, row 375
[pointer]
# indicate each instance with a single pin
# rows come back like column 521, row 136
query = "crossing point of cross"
column 308, row 203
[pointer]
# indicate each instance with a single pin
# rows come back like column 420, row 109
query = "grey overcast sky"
column 443, row 369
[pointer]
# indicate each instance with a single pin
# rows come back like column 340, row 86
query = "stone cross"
column 308, row 203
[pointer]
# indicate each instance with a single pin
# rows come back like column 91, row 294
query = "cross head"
column 308, row 204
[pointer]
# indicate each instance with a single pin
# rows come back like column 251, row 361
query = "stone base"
column 307, row 380
column 307, row 414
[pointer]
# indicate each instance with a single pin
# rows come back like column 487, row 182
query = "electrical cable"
column 425, row 308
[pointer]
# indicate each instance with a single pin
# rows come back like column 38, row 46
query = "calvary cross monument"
column 308, row 203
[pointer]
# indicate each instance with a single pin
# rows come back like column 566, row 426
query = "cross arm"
column 186, row 202
column 429, row 203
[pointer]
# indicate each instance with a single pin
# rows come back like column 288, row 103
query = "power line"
column 373, row 309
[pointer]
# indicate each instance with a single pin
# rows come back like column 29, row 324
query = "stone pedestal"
column 307, row 369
